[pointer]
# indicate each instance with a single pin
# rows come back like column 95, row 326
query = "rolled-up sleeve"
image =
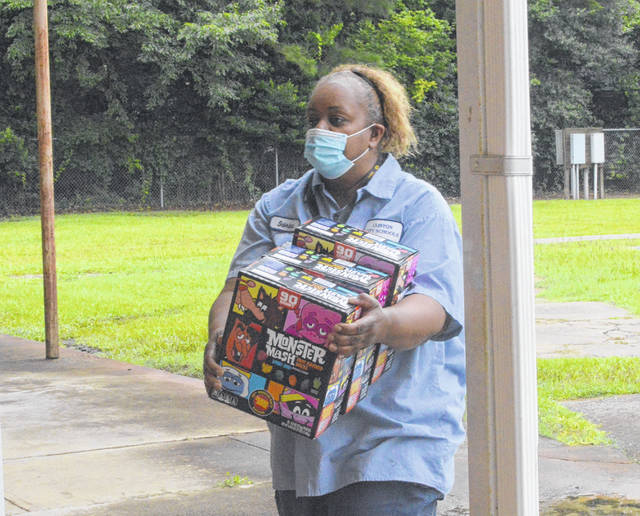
column 256, row 239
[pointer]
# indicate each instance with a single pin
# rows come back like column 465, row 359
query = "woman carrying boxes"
column 393, row 453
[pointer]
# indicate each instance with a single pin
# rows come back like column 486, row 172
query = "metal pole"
column 577, row 181
column 573, row 181
column 568, row 167
column 595, row 181
column 161, row 193
column 277, row 172
column 585, row 182
column 45, row 154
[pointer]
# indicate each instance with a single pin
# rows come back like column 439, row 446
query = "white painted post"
column 496, row 170
column 585, row 183
column 595, row 181
column 1, row 477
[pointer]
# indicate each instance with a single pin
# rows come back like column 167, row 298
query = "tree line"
column 202, row 93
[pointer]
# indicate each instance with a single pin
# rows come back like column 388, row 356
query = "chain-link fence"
column 621, row 168
column 191, row 183
column 197, row 183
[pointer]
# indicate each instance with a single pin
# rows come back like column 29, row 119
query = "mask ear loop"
column 361, row 130
column 356, row 159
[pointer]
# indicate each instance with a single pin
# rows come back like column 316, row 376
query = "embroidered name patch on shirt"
column 385, row 228
column 282, row 224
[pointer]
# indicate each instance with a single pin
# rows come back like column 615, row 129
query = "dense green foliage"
column 584, row 72
column 198, row 94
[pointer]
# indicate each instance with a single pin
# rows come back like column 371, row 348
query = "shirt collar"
column 381, row 185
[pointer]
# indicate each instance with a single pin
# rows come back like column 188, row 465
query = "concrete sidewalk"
column 87, row 435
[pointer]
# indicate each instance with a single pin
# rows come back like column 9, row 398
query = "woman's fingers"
column 365, row 301
column 212, row 371
column 347, row 338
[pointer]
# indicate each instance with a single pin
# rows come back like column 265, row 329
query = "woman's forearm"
column 412, row 321
column 220, row 308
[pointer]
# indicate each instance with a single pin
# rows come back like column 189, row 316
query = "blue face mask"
column 325, row 151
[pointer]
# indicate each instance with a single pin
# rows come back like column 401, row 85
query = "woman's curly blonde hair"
column 388, row 104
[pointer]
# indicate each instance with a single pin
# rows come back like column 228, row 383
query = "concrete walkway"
column 84, row 435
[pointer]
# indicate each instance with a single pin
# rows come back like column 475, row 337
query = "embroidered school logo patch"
column 283, row 224
column 385, row 228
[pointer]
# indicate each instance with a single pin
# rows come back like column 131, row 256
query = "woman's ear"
column 376, row 134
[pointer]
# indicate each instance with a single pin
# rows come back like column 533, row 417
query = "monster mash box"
column 345, row 242
column 355, row 277
column 282, row 404
column 277, row 328
column 324, row 236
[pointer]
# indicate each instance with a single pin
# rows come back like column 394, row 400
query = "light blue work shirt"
column 410, row 424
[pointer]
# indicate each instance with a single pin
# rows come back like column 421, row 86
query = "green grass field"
column 138, row 286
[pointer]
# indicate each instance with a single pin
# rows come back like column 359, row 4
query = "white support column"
column 2, row 502
column 495, row 156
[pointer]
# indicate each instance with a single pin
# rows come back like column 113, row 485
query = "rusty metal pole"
column 45, row 154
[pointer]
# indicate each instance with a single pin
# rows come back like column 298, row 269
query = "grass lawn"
column 138, row 286
column 601, row 270
column 573, row 378
column 561, row 218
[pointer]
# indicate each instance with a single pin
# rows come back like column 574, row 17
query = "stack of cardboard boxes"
column 285, row 304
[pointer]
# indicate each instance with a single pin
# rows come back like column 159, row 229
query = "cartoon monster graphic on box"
column 298, row 407
column 257, row 303
column 281, row 405
column 235, row 381
column 242, row 343
column 311, row 322
column 283, row 347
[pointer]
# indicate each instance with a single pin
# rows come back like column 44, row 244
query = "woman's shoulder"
column 288, row 191
column 420, row 193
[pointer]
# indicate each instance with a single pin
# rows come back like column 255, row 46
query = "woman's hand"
column 212, row 370
column 370, row 328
